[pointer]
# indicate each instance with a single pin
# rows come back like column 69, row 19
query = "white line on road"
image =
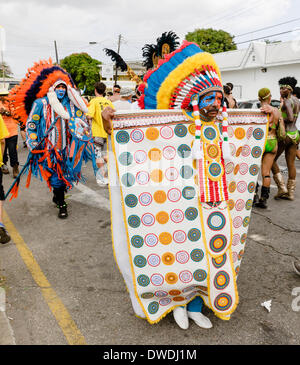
column 90, row 197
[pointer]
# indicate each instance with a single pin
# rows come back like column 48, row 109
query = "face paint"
column 207, row 100
column 60, row 93
column 210, row 104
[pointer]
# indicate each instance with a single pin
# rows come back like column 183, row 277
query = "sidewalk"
column 6, row 332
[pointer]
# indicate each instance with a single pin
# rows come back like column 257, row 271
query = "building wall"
column 247, row 82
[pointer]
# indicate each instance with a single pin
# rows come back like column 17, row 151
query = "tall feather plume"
column 120, row 63
column 148, row 51
column 169, row 38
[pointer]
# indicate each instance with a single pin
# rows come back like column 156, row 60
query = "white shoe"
column 181, row 317
column 200, row 319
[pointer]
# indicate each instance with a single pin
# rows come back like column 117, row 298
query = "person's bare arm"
column 289, row 110
column 107, row 116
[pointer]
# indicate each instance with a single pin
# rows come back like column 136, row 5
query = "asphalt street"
column 62, row 285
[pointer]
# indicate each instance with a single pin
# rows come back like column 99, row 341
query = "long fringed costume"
column 186, row 188
column 57, row 133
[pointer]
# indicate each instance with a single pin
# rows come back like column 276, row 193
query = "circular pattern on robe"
column 189, row 288
column 232, row 187
column 137, row 241
column 165, row 238
column 165, row 301
column 191, row 213
column 200, row 275
column 154, row 154
column 239, row 151
column 128, row 179
column 234, row 257
column 180, row 130
column 148, row 219
column 230, row 204
column 177, row 216
column 197, row 255
column 142, row 177
column 239, row 133
column 185, row 276
column 243, row 238
column 209, row 133
column 184, row 151
column 215, row 170
column 134, row 221
column 213, row 151
column 140, row 156
column 186, row 172
column 122, row 137
column 162, row 217
column 254, row 169
column 171, row 173
column 34, row 143
column 131, row 200
column 153, row 260
column 35, row 117
column 168, row 258
column 246, row 221
column 140, row 261
column 166, row 132
column 256, row 152
column 235, row 239
column 251, row 186
column 237, row 222
column 171, row 278
column 161, row 293
column 230, row 131
column 249, row 204
column 246, row 150
column 32, row 125
column 174, row 195
column 236, row 169
column 188, row 192
column 192, row 129
column 156, row 175
column 232, row 149
column 216, row 221
column 229, row 167
column 33, row 136
column 125, row 158
column 249, row 132
column 223, row 302
column 157, row 279
column 244, row 168
column 143, row 280
column 221, row 280
column 145, row 199
column 217, row 243
column 179, row 236
column 237, row 269
column 182, row 257
column 137, row 135
column 241, row 186
column 153, row 307
column 258, row 133
column 160, row 196
column 219, row 261
column 178, row 299
column 147, row 295
column 151, row 240
column 174, row 292
column 152, row 133
column 194, row 234
column 169, row 153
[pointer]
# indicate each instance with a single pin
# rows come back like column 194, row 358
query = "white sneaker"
column 181, row 317
column 200, row 319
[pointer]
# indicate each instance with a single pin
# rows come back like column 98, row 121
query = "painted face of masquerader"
column 60, row 91
column 209, row 105
column 285, row 91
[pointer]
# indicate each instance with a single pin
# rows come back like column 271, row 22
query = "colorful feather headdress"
column 38, row 81
column 179, row 75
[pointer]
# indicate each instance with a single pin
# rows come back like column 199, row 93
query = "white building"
column 259, row 65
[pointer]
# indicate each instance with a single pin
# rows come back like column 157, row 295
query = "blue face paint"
column 207, row 100
column 60, row 93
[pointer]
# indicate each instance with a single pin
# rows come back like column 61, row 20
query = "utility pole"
column 56, row 54
column 119, row 44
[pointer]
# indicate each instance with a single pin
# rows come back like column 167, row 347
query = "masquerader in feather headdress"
column 57, row 133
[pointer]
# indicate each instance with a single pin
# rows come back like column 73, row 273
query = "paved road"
column 63, row 287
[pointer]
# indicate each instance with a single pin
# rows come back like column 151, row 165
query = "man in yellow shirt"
column 96, row 106
column 4, row 237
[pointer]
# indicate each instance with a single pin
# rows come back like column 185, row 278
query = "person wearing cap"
column 275, row 121
column 11, row 140
column 289, row 107
column 124, row 102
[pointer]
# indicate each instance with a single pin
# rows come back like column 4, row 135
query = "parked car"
column 255, row 104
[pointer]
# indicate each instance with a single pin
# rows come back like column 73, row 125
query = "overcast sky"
column 31, row 26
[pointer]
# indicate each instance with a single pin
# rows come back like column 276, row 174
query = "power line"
column 268, row 36
column 272, row 26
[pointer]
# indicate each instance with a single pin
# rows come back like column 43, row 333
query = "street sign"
column 107, row 71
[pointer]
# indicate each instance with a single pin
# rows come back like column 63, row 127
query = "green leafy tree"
column 211, row 40
column 5, row 70
column 84, row 70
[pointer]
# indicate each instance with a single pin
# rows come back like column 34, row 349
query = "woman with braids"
column 289, row 107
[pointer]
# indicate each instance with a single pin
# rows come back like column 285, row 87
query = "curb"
column 6, row 332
